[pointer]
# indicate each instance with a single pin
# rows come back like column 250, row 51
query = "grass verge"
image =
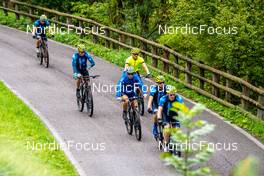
column 242, row 119
column 20, row 130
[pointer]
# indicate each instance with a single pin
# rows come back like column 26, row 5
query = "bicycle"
column 133, row 119
column 44, row 53
column 160, row 139
column 86, row 95
column 141, row 102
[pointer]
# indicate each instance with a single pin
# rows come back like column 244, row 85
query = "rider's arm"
column 126, row 65
column 74, row 63
column 34, row 30
column 119, row 86
column 151, row 95
column 159, row 114
column 141, row 84
column 89, row 57
column 145, row 67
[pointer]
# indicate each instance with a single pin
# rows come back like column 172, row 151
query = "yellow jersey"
column 135, row 63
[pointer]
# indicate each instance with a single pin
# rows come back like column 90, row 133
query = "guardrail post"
column 122, row 39
column 17, row 9
column 68, row 20
column 216, row 90
column 132, row 41
column 5, row 4
column 94, row 31
column 201, row 73
column 144, row 48
column 260, row 113
column 176, row 70
column 107, row 34
column 229, row 84
column 245, row 92
column 188, row 77
column 31, row 12
column 166, row 56
column 80, row 25
column 154, row 60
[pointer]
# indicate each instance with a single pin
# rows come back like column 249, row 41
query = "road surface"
column 112, row 151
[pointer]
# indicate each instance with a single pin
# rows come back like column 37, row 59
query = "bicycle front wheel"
column 89, row 102
column 141, row 107
column 80, row 101
column 129, row 124
column 41, row 56
column 137, row 125
column 46, row 58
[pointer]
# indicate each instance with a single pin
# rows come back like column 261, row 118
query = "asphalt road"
column 112, row 151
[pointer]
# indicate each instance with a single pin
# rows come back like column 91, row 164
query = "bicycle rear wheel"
column 89, row 102
column 137, row 125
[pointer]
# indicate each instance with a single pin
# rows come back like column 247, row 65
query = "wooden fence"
column 222, row 87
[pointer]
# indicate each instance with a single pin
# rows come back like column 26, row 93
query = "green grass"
column 20, row 128
column 242, row 119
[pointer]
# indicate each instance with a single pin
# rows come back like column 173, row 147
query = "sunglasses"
column 160, row 82
column 172, row 95
column 130, row 73
column 135, row 54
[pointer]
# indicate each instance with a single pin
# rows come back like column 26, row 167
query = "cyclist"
column 126, row 88
column 156, row 93
column 135, row 61
column 164, row 108
column 39, row 30
column 80, row 67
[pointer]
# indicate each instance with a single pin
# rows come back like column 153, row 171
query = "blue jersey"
column 41, row 27
column 79, row 63
column 128, row 86
column 157, row 93
column 167, row 104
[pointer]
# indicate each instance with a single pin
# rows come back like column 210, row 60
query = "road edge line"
column 52, row 130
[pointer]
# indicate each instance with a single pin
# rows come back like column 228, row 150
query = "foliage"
column 193, row 158
column 248, row 167
column 21, row 128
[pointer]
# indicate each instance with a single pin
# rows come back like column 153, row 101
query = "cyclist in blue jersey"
column 39, row 30
column 156, row 92
column 80, row 67
column 165, row 116
column 127, row 88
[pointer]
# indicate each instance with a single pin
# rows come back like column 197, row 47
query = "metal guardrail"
column 210, row 82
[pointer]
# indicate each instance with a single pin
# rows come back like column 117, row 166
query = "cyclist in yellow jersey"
column 136, row 61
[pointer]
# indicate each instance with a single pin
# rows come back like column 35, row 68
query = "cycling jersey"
column 41, row 27
column 156, row 93
column 79, row 63
column 126, row 86
column 135, row 63
column 167, row 104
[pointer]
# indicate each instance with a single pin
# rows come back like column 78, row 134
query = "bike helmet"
column 160, row 79
column 43, row 18
column 135, row 51
column 131, row 70
column 171, row 89
column 81, row 48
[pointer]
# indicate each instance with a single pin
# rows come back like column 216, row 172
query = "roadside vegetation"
column 22, row 140
column 242, row 119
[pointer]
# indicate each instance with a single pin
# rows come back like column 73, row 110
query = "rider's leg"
column 155, row 125
column 135, row 103
column 37, row 45
column 78, row 82
column 166, row 136
column 125, row 105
